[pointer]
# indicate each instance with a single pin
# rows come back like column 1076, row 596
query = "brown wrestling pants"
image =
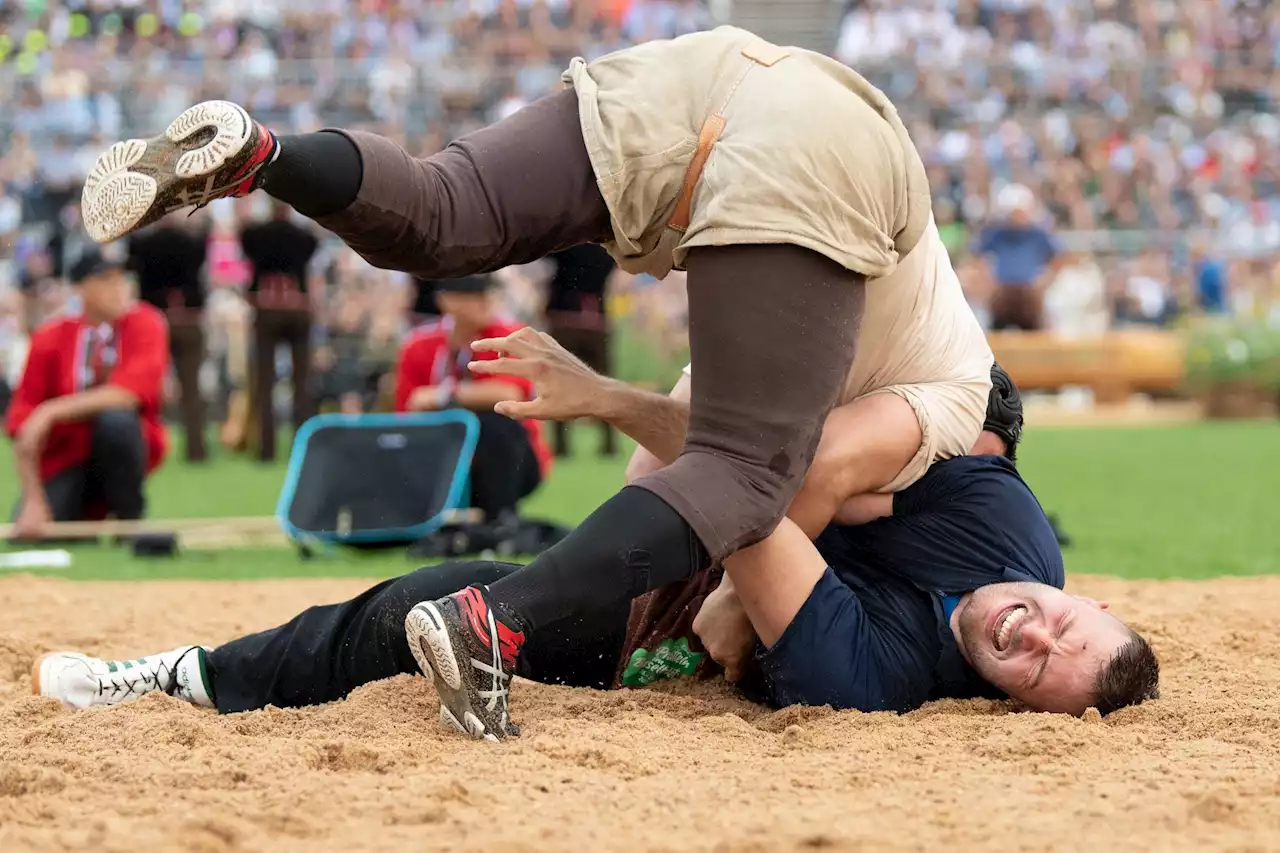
column 772, row 327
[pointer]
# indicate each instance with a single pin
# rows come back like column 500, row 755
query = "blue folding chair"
column 376, row 480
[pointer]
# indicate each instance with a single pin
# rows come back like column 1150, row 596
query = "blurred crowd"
column 1146, row 131
column 76, row 75
column 1093, row 162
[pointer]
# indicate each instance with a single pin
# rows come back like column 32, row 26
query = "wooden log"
column 1113, row 365
column 190, row 528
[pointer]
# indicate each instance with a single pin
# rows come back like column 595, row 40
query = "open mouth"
column 1003, row 626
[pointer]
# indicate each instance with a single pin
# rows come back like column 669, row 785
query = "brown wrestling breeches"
column 772, row 327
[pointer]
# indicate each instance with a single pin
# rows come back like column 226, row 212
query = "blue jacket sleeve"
column 835, row 652
column 967, row 522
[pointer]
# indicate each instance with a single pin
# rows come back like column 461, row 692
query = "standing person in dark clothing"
column 1024, row 257
column 168, row 260
column 279, row 252
column 424, row 308
column 576, row 318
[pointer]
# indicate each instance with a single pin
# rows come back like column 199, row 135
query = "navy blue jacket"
column 873, row 635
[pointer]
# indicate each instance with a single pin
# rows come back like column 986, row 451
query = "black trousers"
column 504, row 468
column 112, row 477
column 586, row 336
column 273, row 326
column 326, row 652
column 186, row 345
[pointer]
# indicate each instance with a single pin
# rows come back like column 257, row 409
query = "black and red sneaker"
column 460, row 643
column 213, row 150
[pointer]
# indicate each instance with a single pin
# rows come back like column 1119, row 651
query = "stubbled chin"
column 963, row 643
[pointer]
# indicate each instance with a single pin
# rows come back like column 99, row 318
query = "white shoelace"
column 120, row 682
column 497, row 692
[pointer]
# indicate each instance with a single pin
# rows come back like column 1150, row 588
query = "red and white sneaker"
column 213, row 150
column 461, row 645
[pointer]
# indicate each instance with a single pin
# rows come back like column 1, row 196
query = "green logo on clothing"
column 671, row 659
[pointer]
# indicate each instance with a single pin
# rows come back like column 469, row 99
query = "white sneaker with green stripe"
column 79, row 681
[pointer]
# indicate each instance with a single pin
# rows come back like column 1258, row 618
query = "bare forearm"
column 656, row 422
column 773, row 578
column 27, row 466
column 865, row 508
column 86, row 404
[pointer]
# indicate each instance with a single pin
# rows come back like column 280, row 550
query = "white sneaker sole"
column 433, row 650
column 116, row 200
column 42, row 675
column 38, row 675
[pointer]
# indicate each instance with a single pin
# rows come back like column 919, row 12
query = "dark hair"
column 1131, row 677
column 1004, row 411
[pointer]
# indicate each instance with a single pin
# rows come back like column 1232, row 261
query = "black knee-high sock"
column 634, row 543
column 315, row 173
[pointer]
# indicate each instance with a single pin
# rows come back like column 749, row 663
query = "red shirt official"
column 427, row 360
column 68, row 355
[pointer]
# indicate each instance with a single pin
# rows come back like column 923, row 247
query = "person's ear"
column 1101, row 605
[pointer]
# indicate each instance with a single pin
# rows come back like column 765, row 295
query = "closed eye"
column 1064, row 622
column 1040, row 670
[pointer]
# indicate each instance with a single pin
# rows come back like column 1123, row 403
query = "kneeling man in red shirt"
column 511, row 458
column 85, row 419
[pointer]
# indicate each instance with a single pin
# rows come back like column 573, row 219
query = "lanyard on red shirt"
column 96, row 356
column 450, row 366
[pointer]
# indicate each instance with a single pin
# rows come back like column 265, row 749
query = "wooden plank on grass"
column 189, row 530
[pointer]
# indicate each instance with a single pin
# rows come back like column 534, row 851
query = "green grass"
column 1187, row 501
column 1174, row 501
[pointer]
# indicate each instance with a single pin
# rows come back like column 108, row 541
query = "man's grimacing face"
column 1037, row 643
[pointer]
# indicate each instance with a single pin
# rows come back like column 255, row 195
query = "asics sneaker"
column 460, row 643
column 213, row 150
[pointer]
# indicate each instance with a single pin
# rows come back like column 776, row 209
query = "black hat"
column 94, row 261
column 466, row 284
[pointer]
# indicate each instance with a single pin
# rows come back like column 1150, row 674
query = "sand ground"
column 636, row 770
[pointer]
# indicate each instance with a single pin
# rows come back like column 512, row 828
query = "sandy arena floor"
column 635, row 771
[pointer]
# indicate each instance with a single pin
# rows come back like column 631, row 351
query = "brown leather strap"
column 764, row 53
column 758, row 51
column 711, row 130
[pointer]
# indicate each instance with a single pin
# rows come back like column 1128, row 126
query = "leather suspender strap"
column 711, row 130
column 759, row 52
column 763, row 53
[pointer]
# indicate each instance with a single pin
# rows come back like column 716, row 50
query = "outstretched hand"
column 564, row 387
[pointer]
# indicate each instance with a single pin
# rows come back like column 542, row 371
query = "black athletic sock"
column 634, row 543
column 315, row 173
